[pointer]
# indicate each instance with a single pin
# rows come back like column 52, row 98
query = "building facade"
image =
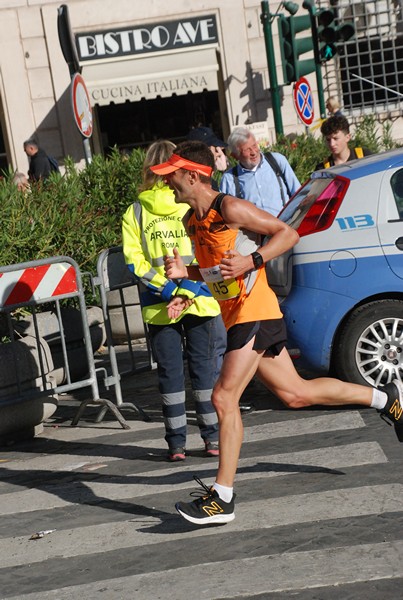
column 153, row 70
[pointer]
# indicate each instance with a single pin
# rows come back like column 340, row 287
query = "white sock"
column 379, row 399
column 224, row 492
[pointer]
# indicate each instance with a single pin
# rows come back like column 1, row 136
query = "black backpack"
column 54, row 165
column 279, row 174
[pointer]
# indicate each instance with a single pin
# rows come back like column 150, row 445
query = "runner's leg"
column 278, row 373
column 238, row 369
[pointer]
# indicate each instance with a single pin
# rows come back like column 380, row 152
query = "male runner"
column 224, row 231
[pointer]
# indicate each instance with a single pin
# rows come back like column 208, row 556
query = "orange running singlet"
column 247, row 298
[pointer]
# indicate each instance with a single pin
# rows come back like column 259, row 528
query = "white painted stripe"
column 263, row 514
column 148, row 483
column 289, row 571
column 267, row 431
column 289, row 428
column 7, row 283
column 50, row 281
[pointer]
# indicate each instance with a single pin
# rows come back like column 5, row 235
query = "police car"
column 342, row 284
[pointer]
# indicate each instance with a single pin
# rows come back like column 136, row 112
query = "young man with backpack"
column 265, row 179
column 336, row 131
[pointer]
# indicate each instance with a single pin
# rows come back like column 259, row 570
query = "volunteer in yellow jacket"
column 226, row 233
column 152, row 227
column 336, row 132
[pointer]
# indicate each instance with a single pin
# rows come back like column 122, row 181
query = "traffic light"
column 291, row 47
column 329, row 32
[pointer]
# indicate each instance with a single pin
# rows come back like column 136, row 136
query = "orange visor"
column 177, row 162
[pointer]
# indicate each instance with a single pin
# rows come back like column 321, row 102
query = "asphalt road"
column 319, row 512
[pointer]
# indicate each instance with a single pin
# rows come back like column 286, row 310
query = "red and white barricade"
column 51, row 281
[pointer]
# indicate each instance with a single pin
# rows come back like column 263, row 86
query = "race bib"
column 221, row 290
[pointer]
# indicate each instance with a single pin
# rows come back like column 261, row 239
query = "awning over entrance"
column 151, row 76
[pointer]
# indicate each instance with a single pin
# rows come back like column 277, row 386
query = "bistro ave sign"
column 171, row 35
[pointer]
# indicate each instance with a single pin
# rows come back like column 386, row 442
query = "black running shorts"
column 270, row 335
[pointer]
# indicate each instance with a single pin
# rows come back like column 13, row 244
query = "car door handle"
column 399, row 243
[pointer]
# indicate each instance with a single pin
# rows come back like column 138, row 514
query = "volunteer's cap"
column 206, row 135
column 175, row 162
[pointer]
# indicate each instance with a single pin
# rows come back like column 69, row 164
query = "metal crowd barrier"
column 114, row 276
column 51, row 281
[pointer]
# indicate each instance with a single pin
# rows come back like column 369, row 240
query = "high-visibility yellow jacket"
column 151, row 228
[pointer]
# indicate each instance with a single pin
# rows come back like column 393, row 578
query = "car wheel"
column 369, row 348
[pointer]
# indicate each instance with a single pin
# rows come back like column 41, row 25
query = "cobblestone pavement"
column 318, row 516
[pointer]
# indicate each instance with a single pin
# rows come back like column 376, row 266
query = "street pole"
column 319, row 82
column 274, row 89
column 310, row 7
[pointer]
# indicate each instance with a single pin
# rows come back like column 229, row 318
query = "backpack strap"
column 234, row 172
column 279, row 174
column 359, row 152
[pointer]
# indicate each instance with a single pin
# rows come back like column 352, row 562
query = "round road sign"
column 303, row 101
column 82, row 110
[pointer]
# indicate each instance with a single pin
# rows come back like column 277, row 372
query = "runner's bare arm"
column 241, row 214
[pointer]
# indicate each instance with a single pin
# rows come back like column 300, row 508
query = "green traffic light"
column 328, row 51
column 328, row 31
column 292, row 47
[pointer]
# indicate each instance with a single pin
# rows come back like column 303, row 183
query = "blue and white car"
column 342, row 284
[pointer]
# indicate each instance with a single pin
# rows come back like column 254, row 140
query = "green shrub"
column 303, row 152
column 368, row 135
column 77, row 215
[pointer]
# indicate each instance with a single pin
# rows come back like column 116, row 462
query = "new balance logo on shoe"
column 393, row 411
column 396, row 411
column 213, row 509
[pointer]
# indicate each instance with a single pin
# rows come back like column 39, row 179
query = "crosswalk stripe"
column 246, row 577
column 331, row 458
column 283, row 429
column 304, row 426
column 265, row 514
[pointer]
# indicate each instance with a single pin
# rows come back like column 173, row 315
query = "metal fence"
column 113, row 276
column 375, row 55
column 23, row 288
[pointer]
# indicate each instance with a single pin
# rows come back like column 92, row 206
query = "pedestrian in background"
column 40, row 164
column 267, row 180
column 333, row 107
column 21, row 181
column 151, row 228
column 336, row 132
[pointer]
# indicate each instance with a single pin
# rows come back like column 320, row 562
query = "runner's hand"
column 234, row 264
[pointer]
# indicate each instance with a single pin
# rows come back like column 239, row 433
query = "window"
column 397, row 187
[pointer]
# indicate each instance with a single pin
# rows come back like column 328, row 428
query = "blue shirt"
column 261, row 186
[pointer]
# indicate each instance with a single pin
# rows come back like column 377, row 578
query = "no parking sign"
column 81, row 105
column 303, row 101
